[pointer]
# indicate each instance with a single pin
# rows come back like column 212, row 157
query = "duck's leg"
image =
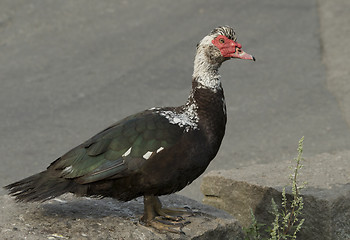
column 160, row 218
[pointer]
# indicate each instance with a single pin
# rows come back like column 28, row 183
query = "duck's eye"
column 221, row 40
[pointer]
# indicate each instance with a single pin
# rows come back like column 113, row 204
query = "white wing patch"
column 159, row 149
column 147, row 155
column 127, row 152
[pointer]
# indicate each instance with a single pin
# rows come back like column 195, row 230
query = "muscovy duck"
column 155, row 152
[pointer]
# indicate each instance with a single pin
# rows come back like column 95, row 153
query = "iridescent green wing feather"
column 119, row 149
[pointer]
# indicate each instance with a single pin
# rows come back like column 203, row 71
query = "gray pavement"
column 71, row 68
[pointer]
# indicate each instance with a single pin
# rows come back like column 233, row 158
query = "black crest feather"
column 226, row 31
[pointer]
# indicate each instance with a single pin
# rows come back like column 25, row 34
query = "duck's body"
column 155, row 152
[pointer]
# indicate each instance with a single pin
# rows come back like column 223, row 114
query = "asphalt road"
column 68, row 69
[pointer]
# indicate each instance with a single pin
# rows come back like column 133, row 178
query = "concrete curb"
column 326, row 198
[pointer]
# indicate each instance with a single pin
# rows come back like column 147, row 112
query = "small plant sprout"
column 287, row 222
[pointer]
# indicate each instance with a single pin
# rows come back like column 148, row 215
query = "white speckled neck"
column 205, row 72
column 187, row 118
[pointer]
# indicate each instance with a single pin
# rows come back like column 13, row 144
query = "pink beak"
column 234, row 50
column 239, row 53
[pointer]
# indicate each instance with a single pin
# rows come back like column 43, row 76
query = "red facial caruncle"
column 230, row 48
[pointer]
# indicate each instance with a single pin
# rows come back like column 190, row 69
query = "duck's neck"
column 205, row 72
column 207, row 94
column 205, row 77
column 206, row 103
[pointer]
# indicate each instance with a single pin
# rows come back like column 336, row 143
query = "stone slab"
column 326, row 197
